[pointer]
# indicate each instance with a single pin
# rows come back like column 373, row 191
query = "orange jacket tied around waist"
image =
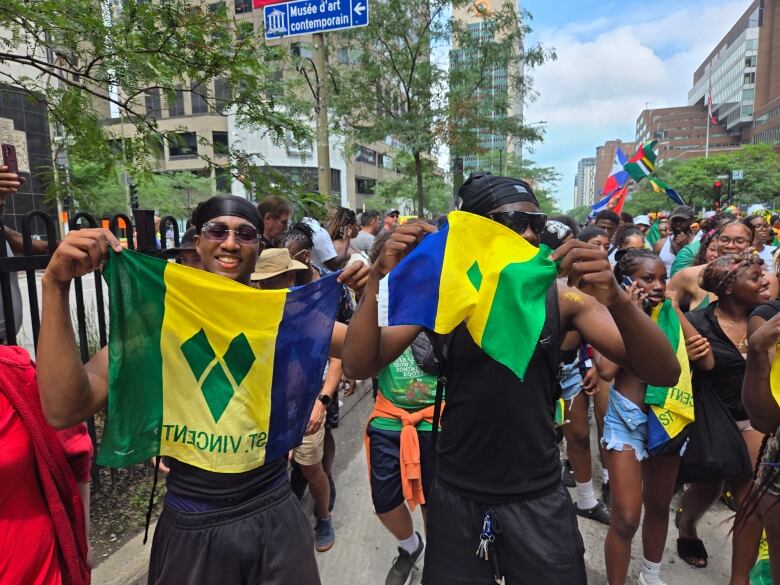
column 411, row 470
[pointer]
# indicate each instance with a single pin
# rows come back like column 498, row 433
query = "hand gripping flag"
column 209, row 371
column 478, row 271
column 671, row 409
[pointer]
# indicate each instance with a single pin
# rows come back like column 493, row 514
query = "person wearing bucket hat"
column 185, row 252
column 276, row 269
column 681, row 235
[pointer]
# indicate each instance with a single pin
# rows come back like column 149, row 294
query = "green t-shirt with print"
column 405, row 385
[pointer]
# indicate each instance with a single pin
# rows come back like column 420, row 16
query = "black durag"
column 482, row 192
column 227, row 205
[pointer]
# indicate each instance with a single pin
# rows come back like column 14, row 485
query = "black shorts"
column 537, row 540
column 265, row 541
column 386, row 491
column 332, row 413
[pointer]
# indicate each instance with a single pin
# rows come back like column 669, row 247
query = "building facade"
column 585, row 182
column 497, row 84
column 682, row 132
column 766, row 112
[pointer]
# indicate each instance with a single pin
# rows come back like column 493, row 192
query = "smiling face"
column 227, row 257
column 733, row 239
column 751, row 288
column 650, row 276
column 761, row 226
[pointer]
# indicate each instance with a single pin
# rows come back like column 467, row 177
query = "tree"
column 391, row 82
column 694, row 178
column 402, row 192
column 85, row 58
column 580, row 213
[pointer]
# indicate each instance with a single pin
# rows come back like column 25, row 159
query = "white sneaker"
column 642, row 581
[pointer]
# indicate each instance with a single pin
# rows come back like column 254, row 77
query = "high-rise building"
column 682, row 132
column 497, row 82
column 766, row 110
column 729, row 74
column 585, row 182
column 605, row 155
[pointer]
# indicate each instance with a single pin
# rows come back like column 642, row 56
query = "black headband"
column 482, row 192
column 227, row 205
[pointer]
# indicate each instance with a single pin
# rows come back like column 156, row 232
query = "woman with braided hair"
column 642, row 468
column 764, row 410
column 342, row 227
column 741, row 285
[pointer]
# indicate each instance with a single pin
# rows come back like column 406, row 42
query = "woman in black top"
column 740, row 285
column 764, row 411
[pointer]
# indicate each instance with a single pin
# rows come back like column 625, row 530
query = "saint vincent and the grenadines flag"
column 671, row 409
column 478, row 271
column 209, row 371
column 774, row 376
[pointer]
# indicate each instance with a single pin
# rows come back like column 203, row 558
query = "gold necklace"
column 742, row 344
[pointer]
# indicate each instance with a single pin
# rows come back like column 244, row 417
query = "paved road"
column 364, row 550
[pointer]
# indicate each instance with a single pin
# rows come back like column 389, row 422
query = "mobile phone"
column 9, row 158
column 626, row 282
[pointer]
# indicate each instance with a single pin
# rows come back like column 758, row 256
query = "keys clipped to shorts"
column 486, row 549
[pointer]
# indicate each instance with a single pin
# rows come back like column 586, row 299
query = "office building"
column 766, row 110
column 496, row 85
column 682, row 132
column 585, row 182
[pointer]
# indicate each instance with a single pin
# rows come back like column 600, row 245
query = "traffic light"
column 716, row 189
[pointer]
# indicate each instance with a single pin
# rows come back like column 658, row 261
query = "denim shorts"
column 625, row 425
column 571, row 380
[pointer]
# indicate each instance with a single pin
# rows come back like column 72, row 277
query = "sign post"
column 305, row 17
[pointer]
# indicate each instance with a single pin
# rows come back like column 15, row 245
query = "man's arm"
column 608, row 320
column 329, row 387
column 760, row 404
column 368, row 347
column 15, row 240
column 70, row 391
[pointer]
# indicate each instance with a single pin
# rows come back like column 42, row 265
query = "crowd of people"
column 668, row 304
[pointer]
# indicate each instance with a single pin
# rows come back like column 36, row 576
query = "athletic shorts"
column 625, row 425
column 571, row 381
column 310, row 451
column 264, row 541
column 537, row 541
column 386, row 491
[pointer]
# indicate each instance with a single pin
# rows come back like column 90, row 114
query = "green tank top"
column 704, row 303
column 405, row 385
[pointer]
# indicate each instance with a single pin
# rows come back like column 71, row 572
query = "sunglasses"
column 245, row 235
column 519, row 221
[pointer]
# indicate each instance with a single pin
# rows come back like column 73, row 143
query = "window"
column 216, row 7
column 199, row 95
column 222, row 94
column 153, row 103
column 223, row 179
column 219, row 141
column 750, row 77
column 365, row 186
column 175, row 99
column 366, row 155
column 243, row 6
column 183, row 144
column 750, row 61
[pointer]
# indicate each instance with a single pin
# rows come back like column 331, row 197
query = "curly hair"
column 721, row 273
column 628, row 260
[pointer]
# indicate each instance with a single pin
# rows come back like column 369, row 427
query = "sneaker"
column 605, row 493
column 401, row 571
column 599, row 513
column 642, row 581
column 324, row 536
column 567, row 474
column 332, row 500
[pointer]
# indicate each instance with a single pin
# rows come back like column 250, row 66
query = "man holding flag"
column 227, row 527
column 498, row 479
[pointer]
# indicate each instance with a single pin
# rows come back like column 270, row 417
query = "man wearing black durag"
column 497, row 491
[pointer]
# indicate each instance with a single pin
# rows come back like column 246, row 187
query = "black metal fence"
column 137, row 234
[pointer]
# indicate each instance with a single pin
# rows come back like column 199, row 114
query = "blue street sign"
column 304, row 17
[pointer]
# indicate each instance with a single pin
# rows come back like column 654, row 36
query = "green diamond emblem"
column 217, row 387
column 475, row 275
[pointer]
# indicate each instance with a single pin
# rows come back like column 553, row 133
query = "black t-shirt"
column 192, row 482
column 498, row 441
column 725, row 379
column 766, row 312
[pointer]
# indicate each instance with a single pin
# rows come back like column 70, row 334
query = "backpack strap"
column 441, row 347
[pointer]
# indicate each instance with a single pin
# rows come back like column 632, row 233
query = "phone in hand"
column 626, row 282
column 9, row 158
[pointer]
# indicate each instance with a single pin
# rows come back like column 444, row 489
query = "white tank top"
column 666, row 255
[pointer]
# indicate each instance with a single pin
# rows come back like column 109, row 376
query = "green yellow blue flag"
column 479, row 272
column 671, row 409
column 761, row 573
column 774, row 376
column 209, row 371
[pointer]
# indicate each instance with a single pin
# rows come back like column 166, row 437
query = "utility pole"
column 323, row 141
